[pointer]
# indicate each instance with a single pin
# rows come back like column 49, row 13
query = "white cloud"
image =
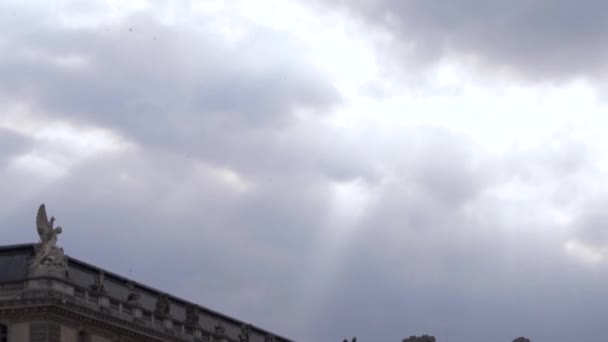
column 588, row 255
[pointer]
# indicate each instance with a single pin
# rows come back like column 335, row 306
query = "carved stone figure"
column 48, row 254
column 219, row 330
column 98, row 286
column 191, row 316
column 245, row 331
column 162, row 306
column 133, row 296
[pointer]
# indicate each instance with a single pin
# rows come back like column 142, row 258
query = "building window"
column 3, row 333
column 84, row 336
column 45, row 332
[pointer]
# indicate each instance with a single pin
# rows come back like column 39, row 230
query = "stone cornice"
column 65, row 311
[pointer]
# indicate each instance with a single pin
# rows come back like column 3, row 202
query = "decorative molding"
column 49, row 308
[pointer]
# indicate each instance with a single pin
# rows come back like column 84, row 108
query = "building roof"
column 14, row 264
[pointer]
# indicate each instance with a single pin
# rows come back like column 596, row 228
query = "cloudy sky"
column 324, row 169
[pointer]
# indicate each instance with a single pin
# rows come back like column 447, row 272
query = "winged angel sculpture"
column 47, row 252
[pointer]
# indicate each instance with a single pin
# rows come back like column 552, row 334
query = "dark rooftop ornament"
column 99, row 287
column 162, row 306
column 245, row 331
column 133, row 296
column 192, row 316
column 423, row 338
column 219, row 330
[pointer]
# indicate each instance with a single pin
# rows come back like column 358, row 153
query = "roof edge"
column 17, row 247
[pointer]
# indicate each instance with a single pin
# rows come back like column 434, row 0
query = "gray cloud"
column 420, row 260
column 11, row 144
column 428, row 268
column 428, row 263
column 195, row 90
column 591, row 220
column 543, row 40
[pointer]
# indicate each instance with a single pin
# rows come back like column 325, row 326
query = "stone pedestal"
column 219, row 334
column 49, row 261
column 45, row 271
column 198, row 333
column 137, row 312
column 49, row 285
column 104, row 301
column 168, row 323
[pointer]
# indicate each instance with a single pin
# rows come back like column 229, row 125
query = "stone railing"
column 131, row 312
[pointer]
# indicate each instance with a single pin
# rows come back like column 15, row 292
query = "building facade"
column 46, row 296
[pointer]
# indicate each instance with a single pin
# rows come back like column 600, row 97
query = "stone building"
column 47, row 297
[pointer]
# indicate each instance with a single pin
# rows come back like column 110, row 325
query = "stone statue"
column 133, row 296
column 191, row 316
column 220, row 330
column 162, row 306
column 48, row 255
column 245, row 331
column 98, row 286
